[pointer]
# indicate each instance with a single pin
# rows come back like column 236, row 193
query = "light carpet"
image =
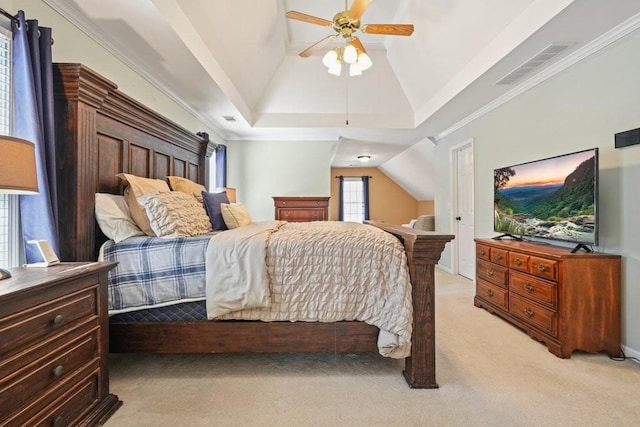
column 489, row 372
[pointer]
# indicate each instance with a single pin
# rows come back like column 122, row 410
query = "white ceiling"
column 239, row 58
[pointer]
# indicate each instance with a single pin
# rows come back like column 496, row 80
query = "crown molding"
column 102, row 39
column 629, row 26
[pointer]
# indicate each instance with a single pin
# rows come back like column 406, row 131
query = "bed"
column 102, row 132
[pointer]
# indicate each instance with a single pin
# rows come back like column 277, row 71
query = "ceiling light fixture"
column 357, row 60
column 364, row 159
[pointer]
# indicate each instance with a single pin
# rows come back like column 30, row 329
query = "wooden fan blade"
column 299, row 16
column 355, row 42
column 388, row 29
column 358, row 7
column 313, row 49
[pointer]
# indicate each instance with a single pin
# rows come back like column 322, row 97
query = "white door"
column 464, row 211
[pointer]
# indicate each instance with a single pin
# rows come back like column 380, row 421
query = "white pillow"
column 114, row 218
column 235, row 215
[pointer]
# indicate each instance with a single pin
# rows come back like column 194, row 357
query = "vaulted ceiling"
column 235, row 65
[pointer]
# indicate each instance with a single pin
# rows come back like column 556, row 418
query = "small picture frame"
column 49, row 257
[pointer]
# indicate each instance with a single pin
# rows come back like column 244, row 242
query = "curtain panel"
column 33, row 120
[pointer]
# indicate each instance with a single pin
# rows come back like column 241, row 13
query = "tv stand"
column 569, row 301
column 581, row 246
column 509, row 236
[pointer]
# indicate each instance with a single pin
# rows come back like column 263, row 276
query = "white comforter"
column 314, row 271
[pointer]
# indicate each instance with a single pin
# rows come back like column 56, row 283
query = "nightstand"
column 54, row 346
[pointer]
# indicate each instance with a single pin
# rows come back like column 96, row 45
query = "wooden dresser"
column 54, row 346
column 569, row 301
column 301, row 209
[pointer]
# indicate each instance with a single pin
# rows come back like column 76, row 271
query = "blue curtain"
column 34, row 121
column 340, row 199
column 365, row 190
column 221, row 165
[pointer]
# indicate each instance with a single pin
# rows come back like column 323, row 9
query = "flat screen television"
column 554, row 198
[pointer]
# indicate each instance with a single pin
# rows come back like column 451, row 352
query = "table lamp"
column 17, row 171
column 231, row 193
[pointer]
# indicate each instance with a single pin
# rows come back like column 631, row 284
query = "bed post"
column 423, row 250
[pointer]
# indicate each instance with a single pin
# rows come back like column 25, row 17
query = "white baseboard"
column 629, row 352
column 445, row 269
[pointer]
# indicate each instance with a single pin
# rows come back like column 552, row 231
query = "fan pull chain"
column 347, row 101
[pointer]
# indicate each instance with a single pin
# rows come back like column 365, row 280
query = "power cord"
column 623, row 358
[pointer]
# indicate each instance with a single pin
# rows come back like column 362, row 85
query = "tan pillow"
column 178, row 183
column 138, row 186
column 235, row 215
column 175, row 214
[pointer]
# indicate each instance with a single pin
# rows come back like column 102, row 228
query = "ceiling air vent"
column 229, row 118
column 541, row 58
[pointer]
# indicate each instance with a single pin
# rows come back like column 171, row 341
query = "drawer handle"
column 58, row 319
column 58, row 371
column 287, row 214
column 317, row 203
column 528, row 287
column 58, row 421
column 517, row 261
column 490, row 272
column 498, row 257
column 482, row 252
column 489, row 292
column 542, row 267
column 529, row 312
column 284, row 203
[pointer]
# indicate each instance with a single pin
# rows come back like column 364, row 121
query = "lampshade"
column 231, row 193
column 350, row 54
column 17, row 166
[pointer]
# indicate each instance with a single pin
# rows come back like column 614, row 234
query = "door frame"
column 453, row 168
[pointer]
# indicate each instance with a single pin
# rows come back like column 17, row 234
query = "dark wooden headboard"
column 100, row 132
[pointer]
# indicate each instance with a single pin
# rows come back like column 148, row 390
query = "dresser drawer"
column 300, row 203
column 67, row 406
column 483, row 252
column 494, row 294
column 533, row 313
column 519, row 261
column 538, row 290
column 35, row 378
column 543, row 267
column 500, row 256
column 46, row 318
column 494, row 273
column 303, row 215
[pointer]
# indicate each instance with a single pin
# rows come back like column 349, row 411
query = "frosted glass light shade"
column 355, row 70
column 364, row 61
column 336, row 69
column 350, row 54
column 330, row 58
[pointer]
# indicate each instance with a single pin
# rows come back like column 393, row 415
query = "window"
column 9, row 230
column 353, row 199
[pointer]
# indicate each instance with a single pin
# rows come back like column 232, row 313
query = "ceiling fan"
column 345, row 24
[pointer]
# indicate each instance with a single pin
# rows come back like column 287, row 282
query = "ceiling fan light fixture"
column 350, row 54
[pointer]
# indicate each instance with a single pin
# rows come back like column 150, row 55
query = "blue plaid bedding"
column 155, row 272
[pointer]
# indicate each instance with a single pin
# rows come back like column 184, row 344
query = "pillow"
column 114, row 219
column 178, row 183
column 235, row 215
column 175, row 214
column 212, row 203
column 138, row 186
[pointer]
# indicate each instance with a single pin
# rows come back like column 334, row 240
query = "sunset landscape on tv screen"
column 554, row 198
